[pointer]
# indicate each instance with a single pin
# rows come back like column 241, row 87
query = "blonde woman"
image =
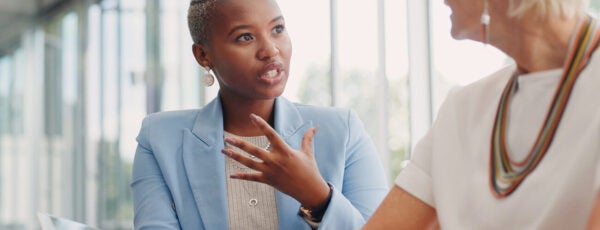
column 519, row 149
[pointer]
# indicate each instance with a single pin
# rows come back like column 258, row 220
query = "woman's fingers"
column 257, row 176
column 307, row 140
column 291, row 171
column 249, row 148
column 270, row 133
column 248, row 162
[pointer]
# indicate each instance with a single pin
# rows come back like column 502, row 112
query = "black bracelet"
column 316, row 214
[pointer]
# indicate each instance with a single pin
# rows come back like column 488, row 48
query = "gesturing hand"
column 293, row 172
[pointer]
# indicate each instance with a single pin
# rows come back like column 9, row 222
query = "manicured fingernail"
column 231, row 141
column 254, row 117
column 224, row 151
column 315, row 129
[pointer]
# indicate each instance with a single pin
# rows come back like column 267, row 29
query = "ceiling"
column 17, row 15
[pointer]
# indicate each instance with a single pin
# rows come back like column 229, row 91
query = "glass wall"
column 75, row 86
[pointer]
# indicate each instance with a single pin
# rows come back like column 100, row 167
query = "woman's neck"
column 236, row 114
column 535, row 45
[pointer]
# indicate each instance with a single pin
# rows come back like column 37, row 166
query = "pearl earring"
column 485, row 23
column 207, row 78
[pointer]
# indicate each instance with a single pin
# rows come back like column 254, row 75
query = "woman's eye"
column 244, row 38
column 279, row 29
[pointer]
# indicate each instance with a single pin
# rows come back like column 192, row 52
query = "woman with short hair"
column 251, row 159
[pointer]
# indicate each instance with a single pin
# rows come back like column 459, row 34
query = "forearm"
column 401, row 210
column 594, row 219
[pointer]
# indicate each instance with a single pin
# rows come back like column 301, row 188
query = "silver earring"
column 207, row 78
column 485, row 23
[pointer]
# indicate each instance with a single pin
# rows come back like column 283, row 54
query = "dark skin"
column 249, row 51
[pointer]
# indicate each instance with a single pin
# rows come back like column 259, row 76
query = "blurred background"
column 78, row 76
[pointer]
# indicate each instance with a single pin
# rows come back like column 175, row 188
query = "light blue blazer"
column 179, row 171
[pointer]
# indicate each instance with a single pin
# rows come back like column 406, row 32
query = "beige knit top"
column 251, row 205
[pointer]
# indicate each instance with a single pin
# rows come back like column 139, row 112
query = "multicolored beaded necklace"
column 505, row 174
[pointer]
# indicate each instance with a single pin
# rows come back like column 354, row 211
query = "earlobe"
column 200, row 55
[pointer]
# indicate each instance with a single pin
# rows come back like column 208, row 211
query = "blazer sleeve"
column 364, row 184
column 152, row 200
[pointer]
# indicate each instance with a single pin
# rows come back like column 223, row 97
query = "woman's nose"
column 268, row 50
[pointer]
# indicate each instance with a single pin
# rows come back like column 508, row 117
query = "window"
column 457, row 62
column 103, row 67
column 75, row 87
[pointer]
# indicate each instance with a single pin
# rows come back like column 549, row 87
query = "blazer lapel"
column 205, row 166
column 289, row 122
column 291, row 127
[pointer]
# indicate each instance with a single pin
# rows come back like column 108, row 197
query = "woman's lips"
column 272, row 73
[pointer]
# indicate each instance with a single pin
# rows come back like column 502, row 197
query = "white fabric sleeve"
column 415, row 178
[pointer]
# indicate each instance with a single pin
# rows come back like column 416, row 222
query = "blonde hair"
column 552, row 9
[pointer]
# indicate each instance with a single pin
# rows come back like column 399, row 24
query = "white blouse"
column 450, row 166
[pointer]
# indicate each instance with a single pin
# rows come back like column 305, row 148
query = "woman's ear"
column 200, row 55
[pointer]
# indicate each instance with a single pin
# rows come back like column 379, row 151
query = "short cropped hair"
column 200, row 15
column 552, row 9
